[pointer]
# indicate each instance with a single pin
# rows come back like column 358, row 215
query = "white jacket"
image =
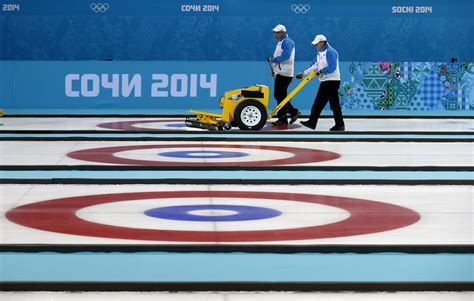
column 284, row 57
column 326, row 63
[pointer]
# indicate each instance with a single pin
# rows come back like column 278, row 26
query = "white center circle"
column 210, row 154
column 213, row 212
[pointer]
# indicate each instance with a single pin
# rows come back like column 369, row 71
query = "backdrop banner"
column 173, row 87
column 406, row 57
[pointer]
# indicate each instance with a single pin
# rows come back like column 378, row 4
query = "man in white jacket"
column 283, row 66
column 326, row 66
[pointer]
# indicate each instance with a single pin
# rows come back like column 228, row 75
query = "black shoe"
column 279, row 123
column 338, row 128
column 309, row 124
column 294, row 117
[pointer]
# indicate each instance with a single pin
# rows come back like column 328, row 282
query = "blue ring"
column 181, row 213
column 213, row 154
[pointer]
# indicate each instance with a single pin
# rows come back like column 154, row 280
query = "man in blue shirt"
column 326, row 66
column 283, row 66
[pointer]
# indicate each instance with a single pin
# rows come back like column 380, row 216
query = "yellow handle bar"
column 292, row 93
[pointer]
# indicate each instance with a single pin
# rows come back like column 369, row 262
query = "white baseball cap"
column 279, row 28
column 318, row 38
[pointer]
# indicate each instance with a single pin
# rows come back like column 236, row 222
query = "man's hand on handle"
column 270, row 62
column 301, row 75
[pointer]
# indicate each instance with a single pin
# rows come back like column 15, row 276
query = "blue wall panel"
column 42, row 41
column 364, row 30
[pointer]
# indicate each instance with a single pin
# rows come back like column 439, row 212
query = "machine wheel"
column 250, row 114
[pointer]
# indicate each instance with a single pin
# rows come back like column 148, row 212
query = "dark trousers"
column 280, row 93
column 328, row 91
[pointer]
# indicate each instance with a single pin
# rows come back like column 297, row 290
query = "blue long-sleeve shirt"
column 287, row 46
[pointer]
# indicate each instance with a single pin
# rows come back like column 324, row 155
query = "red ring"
column 271, row 127
column 366, row 217
column 106, row 155
column 129, row 125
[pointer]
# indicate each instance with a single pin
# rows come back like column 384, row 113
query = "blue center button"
column 232, row 213
column 203, row 154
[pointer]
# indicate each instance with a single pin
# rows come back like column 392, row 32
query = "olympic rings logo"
column 99, row 7
column 300, row 8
